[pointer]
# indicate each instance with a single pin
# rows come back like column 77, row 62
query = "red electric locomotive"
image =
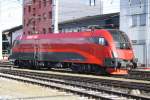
column 96, row 51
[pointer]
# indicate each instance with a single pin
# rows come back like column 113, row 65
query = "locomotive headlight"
column 115, row 54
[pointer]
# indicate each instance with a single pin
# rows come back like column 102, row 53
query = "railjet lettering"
column 32, row 37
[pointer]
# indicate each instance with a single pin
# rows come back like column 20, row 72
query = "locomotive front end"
column 122, row 54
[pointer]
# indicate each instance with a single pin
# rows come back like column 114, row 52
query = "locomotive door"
column 36, row 49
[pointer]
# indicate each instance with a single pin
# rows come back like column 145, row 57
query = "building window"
column 50, row 2
column 33, row 9
column 33, row 31
column 33, row 1
column 50, row 30
column 50, row 15
column 135, row 2
column 34, row 14
column 44, row 16
column 29, row 8
column 109, row 21
column 33, row 23
column 92, row 2
column 29, row 32
column 134, row 20
column 44, row 2
column 39, row 17
column 40, row 4
column 138, row 3
column 44, row 30
column 24, row 22
column 24, row 10
column 27, row 22
column 142, row 19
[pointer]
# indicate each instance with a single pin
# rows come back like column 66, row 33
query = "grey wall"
column 84, row 23
column 72, row 9
column 134, row 20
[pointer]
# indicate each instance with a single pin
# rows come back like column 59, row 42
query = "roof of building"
column 101, row 17
column 13, row 29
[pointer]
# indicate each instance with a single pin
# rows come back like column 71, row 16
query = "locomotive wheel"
column 88, row 68
column 100, row 70
column 16, row 63
column 134, row 65
column 49, row 65
column 75, row 67
column 34, row 65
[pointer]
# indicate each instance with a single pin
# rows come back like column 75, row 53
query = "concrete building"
column 74, row 9
column 9, row 36
column 38, row 13
column 81, row 24
column 134, row 20
column 10, row 16
column 37, row 16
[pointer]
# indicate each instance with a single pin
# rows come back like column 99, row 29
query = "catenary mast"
column 0, row 33
column 55, row 7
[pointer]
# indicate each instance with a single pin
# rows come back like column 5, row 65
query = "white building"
column 10, row 16
column 73, row 9
column 134, row 20
column 11, row 35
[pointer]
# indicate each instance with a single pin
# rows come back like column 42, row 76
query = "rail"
column 92, row 88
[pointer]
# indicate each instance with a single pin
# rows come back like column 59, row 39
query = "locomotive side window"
column 101, row 41
column 121, row 39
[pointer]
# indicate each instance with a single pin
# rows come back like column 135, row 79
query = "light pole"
column 148, row 38
column 101, row 7
column 55, row 7
column 0, row 32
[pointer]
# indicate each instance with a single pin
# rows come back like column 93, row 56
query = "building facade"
column 82, row 24
column 37, row 16
column 74, row 9
column 134, row 20
column 9, row 37
column 10, row 16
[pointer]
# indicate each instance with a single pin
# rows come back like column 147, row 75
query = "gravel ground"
column 13, row 90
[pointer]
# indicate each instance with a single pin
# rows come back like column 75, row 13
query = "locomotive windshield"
column 121, row 39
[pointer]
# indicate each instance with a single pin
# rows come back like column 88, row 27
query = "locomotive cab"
column 122, row 53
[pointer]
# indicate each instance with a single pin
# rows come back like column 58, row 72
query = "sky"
column 10, row 13
column 11, row 10
column 72, row 9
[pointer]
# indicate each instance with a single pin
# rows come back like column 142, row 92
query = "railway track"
column 137, row 74
column 92, row 88
column 133, row 74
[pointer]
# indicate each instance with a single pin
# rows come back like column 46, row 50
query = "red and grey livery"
column 97, row 51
